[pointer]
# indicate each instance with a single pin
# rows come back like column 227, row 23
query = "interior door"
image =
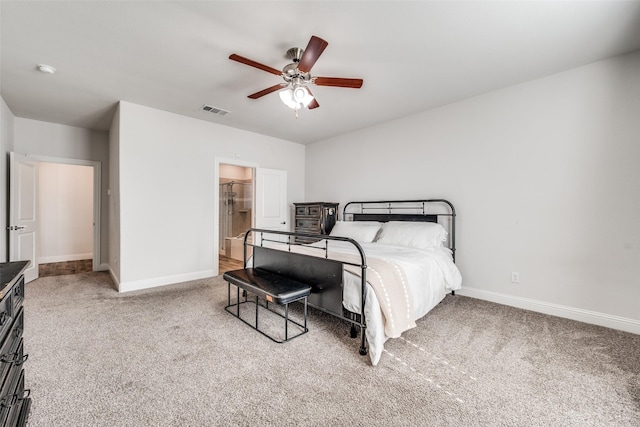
column 272, row 211
column 23, row 208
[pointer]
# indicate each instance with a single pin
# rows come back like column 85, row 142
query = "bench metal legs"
column 301, row 326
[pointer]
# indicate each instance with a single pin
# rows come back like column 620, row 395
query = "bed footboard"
column 282, row 253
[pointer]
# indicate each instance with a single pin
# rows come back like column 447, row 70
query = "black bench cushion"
column 270, row 286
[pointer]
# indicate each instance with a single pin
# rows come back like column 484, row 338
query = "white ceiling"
column 173, row 56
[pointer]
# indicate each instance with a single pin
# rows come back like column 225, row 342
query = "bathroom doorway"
column 236, row 204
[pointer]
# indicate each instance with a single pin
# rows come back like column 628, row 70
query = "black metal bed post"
column 453, row 228
column 453, row 234
column 244, row 248
column 363, row 324
column 363, row 297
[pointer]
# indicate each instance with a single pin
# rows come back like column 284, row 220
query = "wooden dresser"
column 315, row 217
column 14, row 399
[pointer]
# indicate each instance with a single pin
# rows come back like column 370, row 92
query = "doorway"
column 25, row 214
column 236, row 213
column 65, row 212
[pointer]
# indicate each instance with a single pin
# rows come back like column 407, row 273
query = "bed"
column 394, row 258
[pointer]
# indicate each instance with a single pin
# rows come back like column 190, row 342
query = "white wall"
column 65, row 210
column 544, row 176
column 168, row 224
column 7, row 121
column 52, row 140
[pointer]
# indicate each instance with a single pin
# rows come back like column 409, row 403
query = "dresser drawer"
column 18, row 294
column 6, row 315
column 308, row 210
column 10, row 343
column 11, row 404
column 311, row 224
column 22, row 416
column 19, row 414
column 11, row 367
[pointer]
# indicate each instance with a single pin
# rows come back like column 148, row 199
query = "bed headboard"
column 428, row 210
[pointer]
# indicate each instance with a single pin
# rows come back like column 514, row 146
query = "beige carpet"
column 174, row 357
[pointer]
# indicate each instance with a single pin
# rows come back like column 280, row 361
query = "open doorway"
column 66, row 219
column 236, row 213
column 25, row 214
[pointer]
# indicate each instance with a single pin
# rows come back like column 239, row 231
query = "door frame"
column 97, row 185
column 216, row 202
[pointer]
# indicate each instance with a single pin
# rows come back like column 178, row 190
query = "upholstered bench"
column 272, row 288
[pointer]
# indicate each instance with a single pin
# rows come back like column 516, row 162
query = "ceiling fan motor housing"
column 290, row 73
column 295, row 53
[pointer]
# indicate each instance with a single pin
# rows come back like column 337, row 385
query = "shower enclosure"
column 236, row 204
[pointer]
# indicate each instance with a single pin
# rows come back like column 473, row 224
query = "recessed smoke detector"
column 48, row 69
column 214, row 110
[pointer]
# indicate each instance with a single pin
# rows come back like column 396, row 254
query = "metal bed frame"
column 274, row 251
column 412, row 210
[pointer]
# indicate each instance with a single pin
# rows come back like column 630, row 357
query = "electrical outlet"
column 515, row 277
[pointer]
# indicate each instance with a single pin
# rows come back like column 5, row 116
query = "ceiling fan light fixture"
column 296, row 97
column 300, row 94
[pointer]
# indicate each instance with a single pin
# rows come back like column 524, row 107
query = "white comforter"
column 430, row 273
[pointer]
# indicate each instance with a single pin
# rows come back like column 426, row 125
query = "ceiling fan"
column 295, row 92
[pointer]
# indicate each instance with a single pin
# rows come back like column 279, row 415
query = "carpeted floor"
column 173, row 357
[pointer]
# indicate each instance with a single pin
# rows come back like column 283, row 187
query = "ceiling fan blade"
column 311, row 54
column 267, row 91
column 254, row 64
column 338, row 82
column 314, row 102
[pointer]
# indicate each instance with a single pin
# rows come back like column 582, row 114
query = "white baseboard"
column 63, row 258
column 592, row 317
column 162, row 281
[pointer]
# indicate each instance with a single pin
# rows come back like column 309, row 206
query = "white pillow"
column 360, row 231
column 422, row 235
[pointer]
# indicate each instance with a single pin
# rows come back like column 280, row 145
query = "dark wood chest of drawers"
column 14, row 399
column 315, row 217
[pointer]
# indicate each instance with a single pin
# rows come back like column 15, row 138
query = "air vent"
column 214, row 110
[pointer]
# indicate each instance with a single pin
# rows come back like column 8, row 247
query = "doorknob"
column 283, row 222
column 16, row 227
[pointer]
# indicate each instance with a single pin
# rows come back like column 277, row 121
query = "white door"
column 23, row 192
column 272, row 211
